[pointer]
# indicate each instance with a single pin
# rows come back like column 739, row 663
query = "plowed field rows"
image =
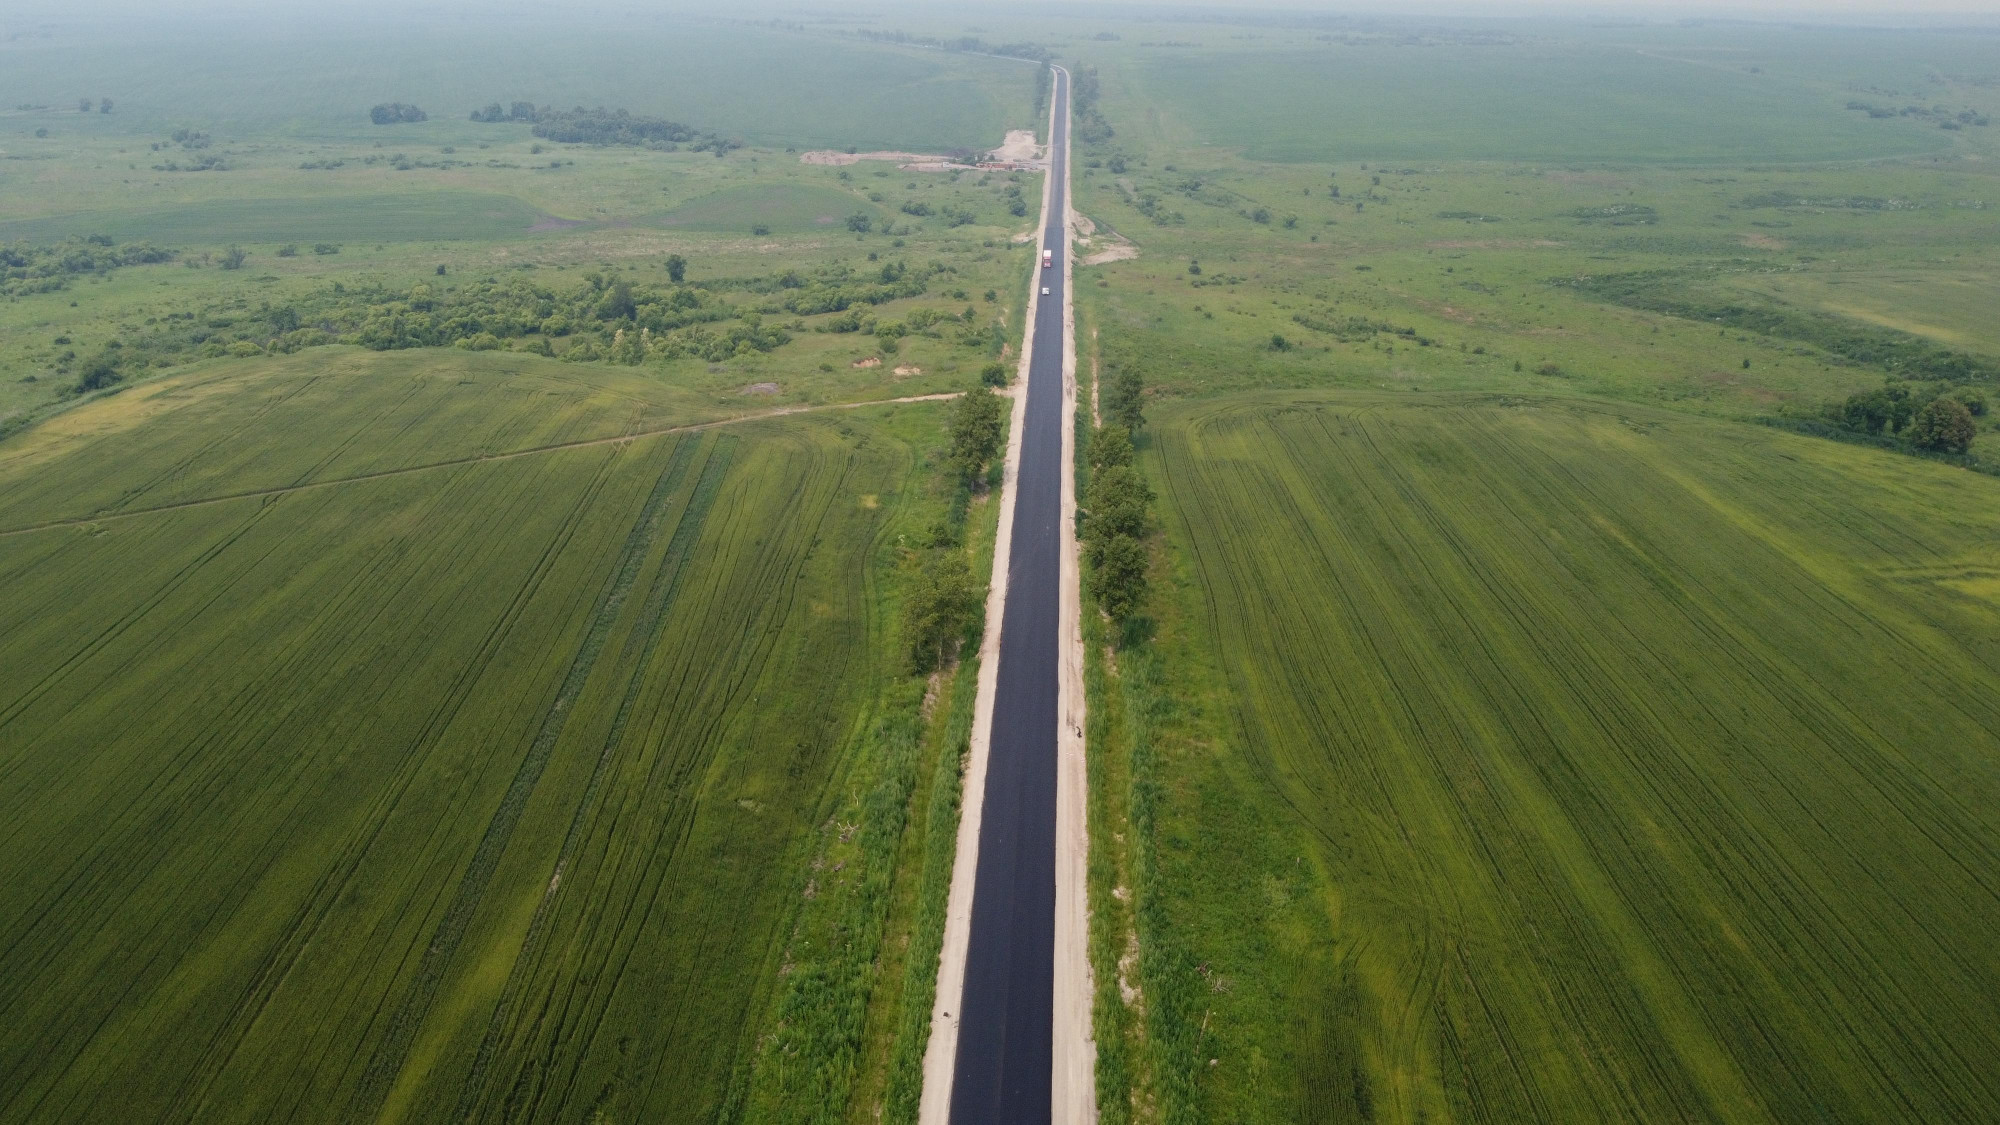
column 470, row 793
column 1642, row 768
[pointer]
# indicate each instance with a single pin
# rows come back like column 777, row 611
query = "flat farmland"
column 1583, row 762
column 444, row 788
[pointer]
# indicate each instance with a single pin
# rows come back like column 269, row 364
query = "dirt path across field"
column 838, row 159
column 692, row 427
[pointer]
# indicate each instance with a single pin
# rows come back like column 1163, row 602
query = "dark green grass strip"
column 393, row 1049
column 807, row 1067
column 639, row 645
column 913, row 1024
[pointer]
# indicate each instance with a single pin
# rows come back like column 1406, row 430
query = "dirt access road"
column 1010, row 1034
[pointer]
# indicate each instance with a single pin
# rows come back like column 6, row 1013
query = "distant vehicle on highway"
column 1045, row 290
column 1048, row 258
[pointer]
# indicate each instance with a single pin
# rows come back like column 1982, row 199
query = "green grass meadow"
column 282, row 77
column 389, row 217
column 784, row 208
column 1597, row 103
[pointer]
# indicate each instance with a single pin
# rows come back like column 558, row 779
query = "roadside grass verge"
column 859, row 964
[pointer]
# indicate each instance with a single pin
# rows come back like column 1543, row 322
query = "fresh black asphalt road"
column 1002, row 1073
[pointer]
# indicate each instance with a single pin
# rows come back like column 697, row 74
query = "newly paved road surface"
column 1003, row 1068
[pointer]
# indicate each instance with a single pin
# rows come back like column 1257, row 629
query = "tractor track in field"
column 386, row 1064
column 476, row 459
column 639, row 648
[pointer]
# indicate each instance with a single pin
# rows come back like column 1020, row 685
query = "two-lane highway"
column 1002, row 1072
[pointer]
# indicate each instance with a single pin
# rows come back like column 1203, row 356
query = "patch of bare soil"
column 871, row 361
column 759, row 389
column 1101, row 248
column 909, row 369
column 1763, row 242
column 1020, row 145
column 1113, row 251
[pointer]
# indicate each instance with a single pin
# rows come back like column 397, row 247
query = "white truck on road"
column 1048, row 258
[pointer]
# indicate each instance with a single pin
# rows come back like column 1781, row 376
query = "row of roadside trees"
column 1113, row 519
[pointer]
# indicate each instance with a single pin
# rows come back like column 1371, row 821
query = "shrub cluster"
column 606, row 318
column 945, row 599
column 1089, row 124
column 971, row 44
column 1901, row 353
column 1939, row 419
column 396, row 113
column 1113, row 523
column 26, row 268
column 975, row 433
column 601, row 126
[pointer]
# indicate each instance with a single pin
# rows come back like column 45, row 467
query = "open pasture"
column 437, row 788
column 1477, row 103
column 1553, row 92
column 267, row 75
column 1623, row 765
column 781, row 208
column 430, row 216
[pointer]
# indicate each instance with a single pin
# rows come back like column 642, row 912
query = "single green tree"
column 1944, row 425
column 617, row 302
column 1901, row 409
column 1865, row 411
column 1118, row 576
column 943, row 602
column 677, row 268
column 1110, row 447
column 1114, row 505
column 1123, row 404
column 99, row 373
column 975, row 432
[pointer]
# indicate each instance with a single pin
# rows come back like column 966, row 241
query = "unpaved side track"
column 1073, row 1092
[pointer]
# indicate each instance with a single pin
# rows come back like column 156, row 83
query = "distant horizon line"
column 1934, row 15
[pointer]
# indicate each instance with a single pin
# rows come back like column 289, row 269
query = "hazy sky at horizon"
column 1843, row 11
